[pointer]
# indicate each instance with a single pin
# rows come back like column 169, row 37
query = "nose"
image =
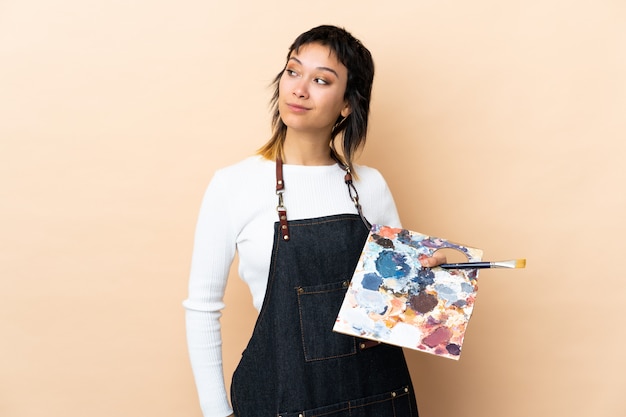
column 300, row 89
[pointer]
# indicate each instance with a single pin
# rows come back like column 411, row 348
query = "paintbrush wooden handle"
column 513, row 263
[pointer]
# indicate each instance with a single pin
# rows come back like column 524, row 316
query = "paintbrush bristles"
column 515, row 263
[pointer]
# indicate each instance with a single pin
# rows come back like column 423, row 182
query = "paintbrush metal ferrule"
column 514, row 263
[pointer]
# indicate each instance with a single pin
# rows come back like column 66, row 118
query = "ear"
column 346, row 110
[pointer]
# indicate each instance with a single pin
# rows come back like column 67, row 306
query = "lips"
column 297, row 108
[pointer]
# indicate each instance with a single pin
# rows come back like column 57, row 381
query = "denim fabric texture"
column 294, row 364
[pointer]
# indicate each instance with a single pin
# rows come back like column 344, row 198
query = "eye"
column 320, row 81
column 290, row 72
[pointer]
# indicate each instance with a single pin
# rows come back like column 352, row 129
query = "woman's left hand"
column 438, row 258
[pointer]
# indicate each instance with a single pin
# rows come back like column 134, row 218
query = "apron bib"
column 294, row 364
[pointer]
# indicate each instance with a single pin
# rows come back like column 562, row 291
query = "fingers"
column 432, row 261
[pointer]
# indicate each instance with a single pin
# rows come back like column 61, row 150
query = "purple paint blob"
column 384, row 242
column 453, row 349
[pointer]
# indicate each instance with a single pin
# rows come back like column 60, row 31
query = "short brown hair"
column 358, row 60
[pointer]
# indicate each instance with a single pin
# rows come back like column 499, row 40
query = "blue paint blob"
column 447, row 293
column 404, row 237
column 424, row 277
column 392, row 265
column 371, row 281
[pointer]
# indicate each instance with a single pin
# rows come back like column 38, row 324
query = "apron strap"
column 282, row 210
column 354, row 195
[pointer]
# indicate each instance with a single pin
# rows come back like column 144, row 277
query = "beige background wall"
column 497, row 124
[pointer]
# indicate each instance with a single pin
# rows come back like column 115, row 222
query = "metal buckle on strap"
column 282, row 216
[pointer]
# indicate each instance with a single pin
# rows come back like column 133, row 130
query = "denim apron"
column 294, row 364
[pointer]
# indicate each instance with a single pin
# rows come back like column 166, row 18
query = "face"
column 311, row 90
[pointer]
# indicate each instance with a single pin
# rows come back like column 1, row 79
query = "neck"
column 306, row 150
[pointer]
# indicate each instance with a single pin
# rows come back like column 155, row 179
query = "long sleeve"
column 211, row 261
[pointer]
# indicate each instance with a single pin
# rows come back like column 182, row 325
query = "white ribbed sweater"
column 238, row 213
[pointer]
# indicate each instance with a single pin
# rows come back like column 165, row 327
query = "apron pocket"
column 319, row 306
column 396, row 403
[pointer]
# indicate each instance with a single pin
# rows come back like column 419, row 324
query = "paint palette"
column 393, row 299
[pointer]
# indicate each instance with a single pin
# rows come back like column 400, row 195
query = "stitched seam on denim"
column 328, row 221
column 387, row 396
column 351, row 407
column 353, row 350
column 382, row 400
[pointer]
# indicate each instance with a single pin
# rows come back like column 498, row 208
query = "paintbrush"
column 514, row 263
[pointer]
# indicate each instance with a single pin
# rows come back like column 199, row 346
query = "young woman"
column 293, row 213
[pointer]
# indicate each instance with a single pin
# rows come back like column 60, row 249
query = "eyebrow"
column 319, row 68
